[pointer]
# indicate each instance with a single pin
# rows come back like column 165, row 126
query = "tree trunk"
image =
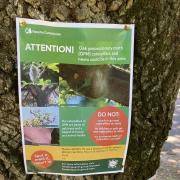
column 156, row 76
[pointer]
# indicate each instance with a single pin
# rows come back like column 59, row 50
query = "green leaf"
column 24, row 83
column 43, row 82
column 53, row 67
column 86, row 83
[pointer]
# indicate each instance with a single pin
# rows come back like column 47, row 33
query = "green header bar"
column 74, row 45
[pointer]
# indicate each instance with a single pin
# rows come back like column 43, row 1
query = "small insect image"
column 39, row 84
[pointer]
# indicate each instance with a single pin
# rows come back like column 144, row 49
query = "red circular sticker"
column 41, row 159
column 107, row 126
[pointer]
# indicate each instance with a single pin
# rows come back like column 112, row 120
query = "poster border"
column 19, row 90
column 75, row 25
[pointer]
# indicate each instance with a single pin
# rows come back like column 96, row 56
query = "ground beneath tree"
column 170, row 156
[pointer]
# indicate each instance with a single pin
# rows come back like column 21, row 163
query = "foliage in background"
column 65, row 91
column 38, row 119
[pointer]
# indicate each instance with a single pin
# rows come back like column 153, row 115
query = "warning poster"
column 75, row 91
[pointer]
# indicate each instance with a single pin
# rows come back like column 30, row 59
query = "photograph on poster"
column 40, row 116
column 98, row 85
column 39, row 84
column 41, row 125
column 41, row 136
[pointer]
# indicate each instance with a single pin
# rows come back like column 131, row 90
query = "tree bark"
column 156, row 76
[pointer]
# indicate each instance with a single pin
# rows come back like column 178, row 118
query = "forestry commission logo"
column 113, row 163
column 29, row 31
